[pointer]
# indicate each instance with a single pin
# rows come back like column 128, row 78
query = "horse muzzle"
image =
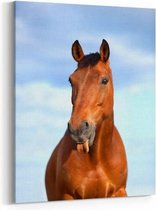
column 83, row 136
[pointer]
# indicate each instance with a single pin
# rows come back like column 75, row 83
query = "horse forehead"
column 99, row 69
column 93, row 71
column 83, row 73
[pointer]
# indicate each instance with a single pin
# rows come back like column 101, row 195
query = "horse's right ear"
column 77, row 51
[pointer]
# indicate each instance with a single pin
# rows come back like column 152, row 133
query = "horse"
column 90, row 160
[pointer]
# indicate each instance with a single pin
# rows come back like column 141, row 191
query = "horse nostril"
column 69, row 128
column 84, row 125
column 87, row 124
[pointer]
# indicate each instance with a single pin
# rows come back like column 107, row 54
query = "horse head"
column 92, row 94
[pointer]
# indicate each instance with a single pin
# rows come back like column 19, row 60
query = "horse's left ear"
column 104, row 51
column 77, row 51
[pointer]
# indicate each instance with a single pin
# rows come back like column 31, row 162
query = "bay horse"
column 90, row 160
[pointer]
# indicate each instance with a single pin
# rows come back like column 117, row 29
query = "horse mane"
column 89, row 60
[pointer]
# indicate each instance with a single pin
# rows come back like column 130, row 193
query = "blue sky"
column 44, row 35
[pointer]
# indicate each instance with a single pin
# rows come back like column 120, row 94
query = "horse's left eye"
column 105, row 80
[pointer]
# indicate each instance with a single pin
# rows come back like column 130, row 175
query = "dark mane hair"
column 89, row 60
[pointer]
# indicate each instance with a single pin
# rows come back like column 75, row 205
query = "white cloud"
column 42, row 113
column 131, row 55
column 134, row 110
column 43, row 96
column 25, row 36
column 122, row 48
column 134, row 117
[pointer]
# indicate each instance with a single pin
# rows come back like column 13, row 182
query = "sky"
column 44, row 36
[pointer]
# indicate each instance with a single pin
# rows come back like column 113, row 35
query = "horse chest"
column 89, row 183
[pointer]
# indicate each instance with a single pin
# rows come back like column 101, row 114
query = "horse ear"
column 77, row 51
column 104, row 51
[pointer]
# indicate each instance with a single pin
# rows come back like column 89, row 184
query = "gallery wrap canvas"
column 51, row 42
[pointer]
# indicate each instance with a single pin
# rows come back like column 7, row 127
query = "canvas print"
column 84, row 102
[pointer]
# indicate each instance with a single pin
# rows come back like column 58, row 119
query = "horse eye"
column 70, row 80
column 105, row 80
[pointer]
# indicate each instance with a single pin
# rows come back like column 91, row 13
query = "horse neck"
column 103, row 139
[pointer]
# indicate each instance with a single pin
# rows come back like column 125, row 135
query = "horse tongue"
column 86, row 146
column 83, row 147
column 80, row 148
